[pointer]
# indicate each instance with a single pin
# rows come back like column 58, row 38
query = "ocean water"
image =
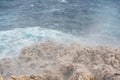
column 24, row 22
column 12, row 41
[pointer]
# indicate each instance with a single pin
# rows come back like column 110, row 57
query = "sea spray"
column 12, row 41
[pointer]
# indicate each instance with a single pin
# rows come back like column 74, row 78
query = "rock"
column 65, row 61
column 13, row 78
column 66, row 69
column 82, row 76
column 112, row 76
column 1, row 78
column 82, row 73
column 52, row 75
column 31, row 77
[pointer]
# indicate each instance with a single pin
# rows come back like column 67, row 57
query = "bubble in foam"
column 63, row 1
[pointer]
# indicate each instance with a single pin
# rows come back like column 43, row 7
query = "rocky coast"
column 57, row 61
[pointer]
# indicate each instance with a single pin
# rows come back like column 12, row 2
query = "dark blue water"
column 88, row 20
column 78, row 16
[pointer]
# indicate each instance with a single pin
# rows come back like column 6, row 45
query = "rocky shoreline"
column 55, row 61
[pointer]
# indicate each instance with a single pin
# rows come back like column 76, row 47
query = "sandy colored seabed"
column 55, row 61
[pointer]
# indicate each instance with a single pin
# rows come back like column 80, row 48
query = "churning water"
column 23, row 22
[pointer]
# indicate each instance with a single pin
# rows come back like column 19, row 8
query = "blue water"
column 23, row 22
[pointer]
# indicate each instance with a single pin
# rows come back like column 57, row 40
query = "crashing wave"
column 12, row 41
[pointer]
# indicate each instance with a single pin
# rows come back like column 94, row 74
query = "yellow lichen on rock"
column 31, row 77
column 1, row 78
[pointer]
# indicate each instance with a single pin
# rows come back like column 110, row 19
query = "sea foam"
column 12, row 41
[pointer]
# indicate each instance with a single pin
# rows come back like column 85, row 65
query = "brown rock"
column 1, row 78
column 66, row 69
column 112, row 76
column 78, row 75
column 82, row 73
column 31, row 77
column 13, row 78
column 52, row 75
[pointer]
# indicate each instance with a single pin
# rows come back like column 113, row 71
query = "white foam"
column 12, row 41
column 63, row 1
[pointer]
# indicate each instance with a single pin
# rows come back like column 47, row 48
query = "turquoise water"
column 12, row 41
